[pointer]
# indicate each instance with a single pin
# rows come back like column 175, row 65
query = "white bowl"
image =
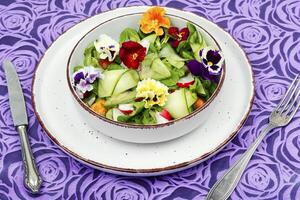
column 131, row 132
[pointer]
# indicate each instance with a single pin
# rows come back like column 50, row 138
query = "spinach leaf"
column 129, row 34
column 191, row 27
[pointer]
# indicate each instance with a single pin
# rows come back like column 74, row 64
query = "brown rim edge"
column 127, row 125
column 155, row 170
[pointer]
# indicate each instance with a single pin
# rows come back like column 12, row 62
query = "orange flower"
column 153, row 19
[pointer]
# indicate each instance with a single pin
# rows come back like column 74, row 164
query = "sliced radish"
column 126, row 108
column 165, row 114
column 163, row 117
column 160, row 119
column 116, row 113
column 186, row 81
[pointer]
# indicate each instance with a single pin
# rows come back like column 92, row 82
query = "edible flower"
column 84, row 78
column 98, row 107
column 131, row 54
column 212, row 59
column 153, row 92
column 107, row 47
column 210, row 66
column 153, row 19
column 178, row 35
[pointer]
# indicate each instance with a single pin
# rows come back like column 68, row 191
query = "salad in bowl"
column 153, row 74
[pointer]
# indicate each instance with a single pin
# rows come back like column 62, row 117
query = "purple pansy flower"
column 84, row 78
column 210, row 66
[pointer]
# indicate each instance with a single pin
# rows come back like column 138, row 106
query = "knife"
column 33, row 180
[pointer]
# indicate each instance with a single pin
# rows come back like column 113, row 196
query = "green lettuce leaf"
column 187, row 55
column 148, row 117
column 129, row 34
column 152, row 49
column 191, row 27
column 89, row 59
column 203, row 88
column 114, row 66
column 195, row 40
column 198, row 88
column 176, row 74
column 166, row 37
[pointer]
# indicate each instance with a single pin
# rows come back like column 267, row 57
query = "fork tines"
column 288, row 104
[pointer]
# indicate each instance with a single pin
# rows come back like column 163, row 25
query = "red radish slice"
column 116, row 113
column 126, row 108
column 186, row 81
column 165, row 114
column 160, row 119
column 163, row 117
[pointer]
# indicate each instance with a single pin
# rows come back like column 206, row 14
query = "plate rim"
column 157, row 170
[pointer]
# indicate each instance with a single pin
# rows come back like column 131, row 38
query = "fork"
column 280, row 116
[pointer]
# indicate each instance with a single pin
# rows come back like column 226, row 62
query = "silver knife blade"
column 15, row 94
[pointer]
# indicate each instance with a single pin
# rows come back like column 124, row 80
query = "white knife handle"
column 32, row 178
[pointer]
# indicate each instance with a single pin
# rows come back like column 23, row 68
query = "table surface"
column 267, row 30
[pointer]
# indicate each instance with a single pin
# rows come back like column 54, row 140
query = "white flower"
column 107, row 47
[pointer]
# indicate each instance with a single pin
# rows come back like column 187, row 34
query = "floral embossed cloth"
column 267, row 30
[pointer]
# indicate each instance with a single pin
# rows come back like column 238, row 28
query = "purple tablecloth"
column 269, row 32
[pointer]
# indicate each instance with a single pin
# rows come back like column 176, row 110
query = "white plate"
column 56, row 111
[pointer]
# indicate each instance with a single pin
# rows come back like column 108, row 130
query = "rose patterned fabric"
column 267, row 30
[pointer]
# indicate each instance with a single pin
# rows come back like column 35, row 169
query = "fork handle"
column 33, row 180
column 223, row 188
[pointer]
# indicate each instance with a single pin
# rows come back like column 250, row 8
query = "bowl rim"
column 142, row 126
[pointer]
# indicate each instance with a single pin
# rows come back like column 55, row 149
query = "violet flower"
column 210, row 66
column 84, row 78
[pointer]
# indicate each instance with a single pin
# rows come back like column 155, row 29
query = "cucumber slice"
column 128, row 80
column 145, row 72
column 150, row 39
column 108, row 83
column 173, row 58
column 124, row 97
column 160, row 70
column 177, row 105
